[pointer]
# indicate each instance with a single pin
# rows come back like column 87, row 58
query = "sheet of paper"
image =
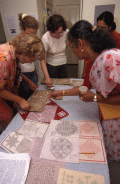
column 70, row 176
column 64, row 128
column 12, row 26
column 42, row 170
column 45, row 116
column 61, row 149
column 92, row 150
column 76, row 83
column 62, row 141
column 39, row 99
column 89, row 129
column 16, row 143
column 51, row 111
column 32, row 129
column 91, row 142
column 14, row 168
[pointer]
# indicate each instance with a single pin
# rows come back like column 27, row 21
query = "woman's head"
column 29, row 46
column 106, row 21
column 98, row 40
column 28, row 24
column 56, row 25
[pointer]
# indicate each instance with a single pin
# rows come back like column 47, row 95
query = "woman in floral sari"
column 104, row 77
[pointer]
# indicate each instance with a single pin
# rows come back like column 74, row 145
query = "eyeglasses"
column 59, row 34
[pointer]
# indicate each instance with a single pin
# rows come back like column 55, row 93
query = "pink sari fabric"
column 104, row 77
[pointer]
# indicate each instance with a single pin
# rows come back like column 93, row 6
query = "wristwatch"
column 95, row 98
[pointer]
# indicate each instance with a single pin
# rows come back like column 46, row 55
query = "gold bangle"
column 63, row 92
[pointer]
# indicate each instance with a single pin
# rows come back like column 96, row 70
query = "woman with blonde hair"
column 26, row 48
column 29, row 77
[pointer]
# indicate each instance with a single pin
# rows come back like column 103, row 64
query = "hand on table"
column 25, row 106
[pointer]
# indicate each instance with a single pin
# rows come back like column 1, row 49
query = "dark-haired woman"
column 106, row 22
column 104, row 76
column 54, row 40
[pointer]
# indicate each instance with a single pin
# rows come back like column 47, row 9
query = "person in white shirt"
column 54, row 41
column 28, row 83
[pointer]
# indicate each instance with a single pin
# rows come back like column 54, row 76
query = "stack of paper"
column 74, row 141
column 14, row 168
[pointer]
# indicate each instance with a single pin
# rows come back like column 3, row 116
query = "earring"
column 82, row 50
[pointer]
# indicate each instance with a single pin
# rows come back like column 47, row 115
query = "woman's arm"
column 68, row 92
column 45, row 71
column 113, row 98
column 31, row 84
column 14, row 98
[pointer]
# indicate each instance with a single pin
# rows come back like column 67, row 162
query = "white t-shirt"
column 56, row 48
column 27, row 67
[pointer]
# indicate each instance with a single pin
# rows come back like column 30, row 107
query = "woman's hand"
column 32, row 85
column 25, row 106
column 87, row 96
column 48, row 82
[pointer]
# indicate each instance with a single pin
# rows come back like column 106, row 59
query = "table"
column 78, row 110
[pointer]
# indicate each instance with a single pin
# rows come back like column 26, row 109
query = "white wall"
column 89, row 8
column 13, row 7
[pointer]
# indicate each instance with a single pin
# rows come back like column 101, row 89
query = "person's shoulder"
column 115, row 35
column 6, row 48
column 107, row 54
column 46, row 35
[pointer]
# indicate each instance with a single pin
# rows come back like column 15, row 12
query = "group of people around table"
column 100, row 48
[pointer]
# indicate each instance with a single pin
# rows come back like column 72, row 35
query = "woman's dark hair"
column 54, row 22
column 108, row 18
column 98, row 39
column 28, row 22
